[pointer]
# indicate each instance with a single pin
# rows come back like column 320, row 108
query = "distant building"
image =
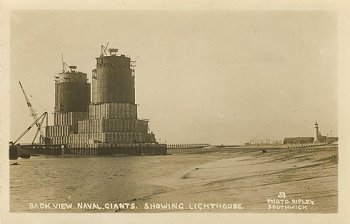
column 263, row 142
column 323, row 139
column 298, row 140
column 319, row 138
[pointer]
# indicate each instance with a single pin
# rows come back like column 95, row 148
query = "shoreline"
column 252, row 177
column 195, row 178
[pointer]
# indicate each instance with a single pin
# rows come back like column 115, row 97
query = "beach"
column 213, row 179
column 252, row 177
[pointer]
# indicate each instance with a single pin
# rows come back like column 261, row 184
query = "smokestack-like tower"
column 109, row 125
column 316, row 132
column 113, row 80
column 72, row 91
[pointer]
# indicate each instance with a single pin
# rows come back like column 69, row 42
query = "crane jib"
column 34, row 114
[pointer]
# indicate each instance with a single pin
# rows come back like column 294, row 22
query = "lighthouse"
column 316, row 132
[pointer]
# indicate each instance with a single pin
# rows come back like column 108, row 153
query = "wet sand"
column 250, row 177
column 194, row 178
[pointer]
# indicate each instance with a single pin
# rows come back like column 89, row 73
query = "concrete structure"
column 108, row 125
column 72, row 91
column 72, row 99
column 113, row 80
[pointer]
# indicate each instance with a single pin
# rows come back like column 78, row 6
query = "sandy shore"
column 250, row 177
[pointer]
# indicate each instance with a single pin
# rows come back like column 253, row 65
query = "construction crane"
column 38, row 122
column 65, row 66
column 33, row 114
column 104, row 49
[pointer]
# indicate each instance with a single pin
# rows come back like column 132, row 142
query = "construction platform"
column 107, row 124
column 100, row 149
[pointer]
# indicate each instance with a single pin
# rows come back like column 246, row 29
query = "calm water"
column 97, row 179
column 224, row 176
column 91, row 179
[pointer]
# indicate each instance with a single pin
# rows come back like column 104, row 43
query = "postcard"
column 177, row 112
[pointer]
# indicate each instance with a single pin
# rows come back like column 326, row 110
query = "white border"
column 342, row 9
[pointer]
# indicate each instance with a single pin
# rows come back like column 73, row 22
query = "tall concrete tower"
column 72, row 91
column 112, row 125
column 72, row 99
column 316, row 132
column 113, row 80
column 109, row 124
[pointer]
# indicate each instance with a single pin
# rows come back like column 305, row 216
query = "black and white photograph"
column 130, row 111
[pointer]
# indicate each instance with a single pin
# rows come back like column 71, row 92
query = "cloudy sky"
column 219, row 77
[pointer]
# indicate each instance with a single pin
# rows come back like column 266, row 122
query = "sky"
column 218, row 77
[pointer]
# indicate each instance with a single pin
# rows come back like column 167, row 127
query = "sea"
column 61, row 184
column 54, row 180
column 75, row 180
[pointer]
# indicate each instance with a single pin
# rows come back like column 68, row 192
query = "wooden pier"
column 187, row 146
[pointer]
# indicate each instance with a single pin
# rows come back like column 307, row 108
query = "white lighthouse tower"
column 316, row 132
